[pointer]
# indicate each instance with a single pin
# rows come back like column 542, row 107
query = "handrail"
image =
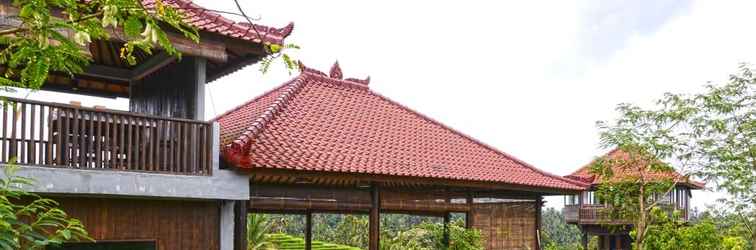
column 68, row 136
column 593, row 214
column 112, row 111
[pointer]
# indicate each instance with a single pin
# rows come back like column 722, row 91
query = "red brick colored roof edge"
column 318, row 122
column 584, row 175
column 206, row 20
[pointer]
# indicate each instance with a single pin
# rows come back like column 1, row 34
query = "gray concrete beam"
column 223, row 185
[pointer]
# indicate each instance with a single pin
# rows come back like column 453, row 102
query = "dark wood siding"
column 170, row 92
column 183, row 225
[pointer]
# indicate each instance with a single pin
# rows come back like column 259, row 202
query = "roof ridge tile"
column 240, row 146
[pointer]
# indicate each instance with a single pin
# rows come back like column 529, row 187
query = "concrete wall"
column 222, row 185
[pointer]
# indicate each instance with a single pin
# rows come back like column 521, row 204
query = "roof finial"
column 301, row 65
column 336, row 71
column 286, row 31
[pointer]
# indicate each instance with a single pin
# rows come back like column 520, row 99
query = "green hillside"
column 288, row 242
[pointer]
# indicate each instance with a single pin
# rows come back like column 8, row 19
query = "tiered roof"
column 584, row 173
column 324, row 123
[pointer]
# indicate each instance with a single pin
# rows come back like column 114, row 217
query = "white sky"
column 528, row 77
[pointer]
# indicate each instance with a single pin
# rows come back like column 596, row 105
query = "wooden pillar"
column 469, row 220
column 308, row 231
column 447, row 219
column 538, row 206
column 375, row 219
column 240, row 225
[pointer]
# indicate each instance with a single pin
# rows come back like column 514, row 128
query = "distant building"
column 587, row 212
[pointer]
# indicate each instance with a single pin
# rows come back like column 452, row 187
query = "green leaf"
column 133, row 26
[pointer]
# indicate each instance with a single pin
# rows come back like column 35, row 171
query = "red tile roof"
column 317, row 122
column 584, row 173
column 207, row 20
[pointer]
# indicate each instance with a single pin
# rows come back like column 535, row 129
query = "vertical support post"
column 469, row 220
column 538, row 206
column 580, row 207
column 375, row 219
column 240, row 225
column 200, row 67
column 447, row 219
column 308, row 230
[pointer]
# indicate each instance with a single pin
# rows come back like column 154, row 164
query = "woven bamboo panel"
column 507, row 225
column 286, row 198
column 422, row 202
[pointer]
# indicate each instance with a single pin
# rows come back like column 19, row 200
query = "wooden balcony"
column 599, row 214
column 589, row 214
column 66, row 136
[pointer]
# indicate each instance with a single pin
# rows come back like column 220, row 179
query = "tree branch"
column 21, row 29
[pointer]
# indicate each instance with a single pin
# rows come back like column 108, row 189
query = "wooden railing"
column 599, row 214
column 571, row 213
column 66, row 136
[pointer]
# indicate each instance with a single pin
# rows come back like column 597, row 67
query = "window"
column 590, row 198
column 572, row 200
column 114, row 245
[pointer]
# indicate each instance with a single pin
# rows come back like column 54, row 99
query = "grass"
column 288, row 242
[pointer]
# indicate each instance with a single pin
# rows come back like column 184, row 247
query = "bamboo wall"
column 174, row 225
column 506, row 225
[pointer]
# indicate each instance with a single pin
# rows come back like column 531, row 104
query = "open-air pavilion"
column 322, row 143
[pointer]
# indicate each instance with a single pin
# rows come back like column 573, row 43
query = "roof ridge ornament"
column 286, row 30
column 335, row 72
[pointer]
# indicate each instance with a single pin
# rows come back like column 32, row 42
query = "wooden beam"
column 375, row 220
column 232, row 66
column 151, row 65
column 107, row 72
column 210, row 49
column 529, row 190
column 147, row 67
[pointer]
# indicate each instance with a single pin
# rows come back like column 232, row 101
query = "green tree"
column 556, row 233
column 670, row 233
column 348, row 229
column 710, row 134
column 724, row 129
column 28, row 221
column 258, row 226
column 726, row 222
column 50, row 35
column 430, row 236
